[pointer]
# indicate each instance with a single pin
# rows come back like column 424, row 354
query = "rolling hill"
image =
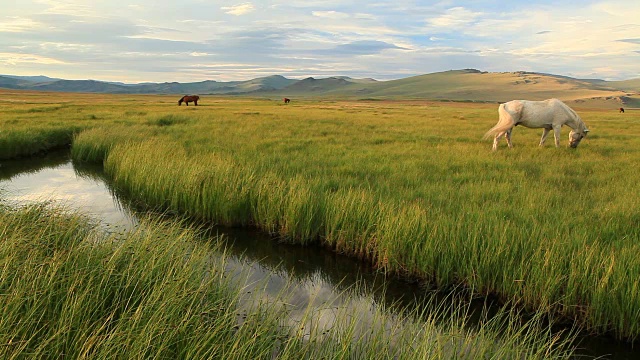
column 10, row 83
column 37, row 79
column 474, row 85
column 481, row 86
column 453, row 85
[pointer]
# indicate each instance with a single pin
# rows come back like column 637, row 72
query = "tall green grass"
column 22, row 143
column 69, row 291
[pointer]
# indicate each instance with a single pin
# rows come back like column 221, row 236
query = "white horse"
column 548, row 114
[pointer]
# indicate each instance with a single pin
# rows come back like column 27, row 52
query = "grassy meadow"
column 409, row 186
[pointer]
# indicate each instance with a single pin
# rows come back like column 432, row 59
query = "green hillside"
column 10, row 83
column 471, row 85
column 627, row 85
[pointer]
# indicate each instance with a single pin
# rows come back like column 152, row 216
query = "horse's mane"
column 580, row 125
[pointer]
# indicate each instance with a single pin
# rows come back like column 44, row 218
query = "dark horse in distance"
column 286, row 100
column 189, row 98
column 621, row 110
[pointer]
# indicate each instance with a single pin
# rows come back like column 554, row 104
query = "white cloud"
column 365, row 16
column 68, row 7
column 238, row 10
column 454, row 18
column 330, row 14
column 17, row 59
column 18, row 24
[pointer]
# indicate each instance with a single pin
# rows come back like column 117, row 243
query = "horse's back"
column 514, row 106
column 543, row 113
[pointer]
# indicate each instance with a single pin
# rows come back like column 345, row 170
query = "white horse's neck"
column 575, row 122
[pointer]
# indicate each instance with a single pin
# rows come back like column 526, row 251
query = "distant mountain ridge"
column 37, row 79
column 44, row 83
column 456, row 85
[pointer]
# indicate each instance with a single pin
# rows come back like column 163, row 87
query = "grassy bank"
column 32, row 122
column 409, row 186
column 69, row 291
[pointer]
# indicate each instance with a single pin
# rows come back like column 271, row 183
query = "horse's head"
column 576, row 136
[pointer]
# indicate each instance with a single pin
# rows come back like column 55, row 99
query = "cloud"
column 17, row 24
column 365, row 16
column 238, row 10
column 632, row 41
column 68, row 7
column 17, row 58
column 543, row 32
column 454, row 18
column 251, row 42
column 330, row 14
column 364, row 47
column 63, row 27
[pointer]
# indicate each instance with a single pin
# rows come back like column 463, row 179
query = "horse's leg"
column 195, row 102
column 556, row 134
column 495, row 141
column 545, row 133
column 507, row 136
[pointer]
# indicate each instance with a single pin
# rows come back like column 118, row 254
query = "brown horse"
column 621, row 110
column 286, row 101
column 189, row 98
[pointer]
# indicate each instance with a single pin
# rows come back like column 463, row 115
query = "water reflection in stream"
column 321, row 277
column 54, row 178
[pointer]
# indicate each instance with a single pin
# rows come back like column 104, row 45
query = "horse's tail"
column 505, row 122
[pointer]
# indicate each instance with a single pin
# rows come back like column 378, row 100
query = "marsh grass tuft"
column 171, row 119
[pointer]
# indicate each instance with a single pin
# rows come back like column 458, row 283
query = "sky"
column 196, row 40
